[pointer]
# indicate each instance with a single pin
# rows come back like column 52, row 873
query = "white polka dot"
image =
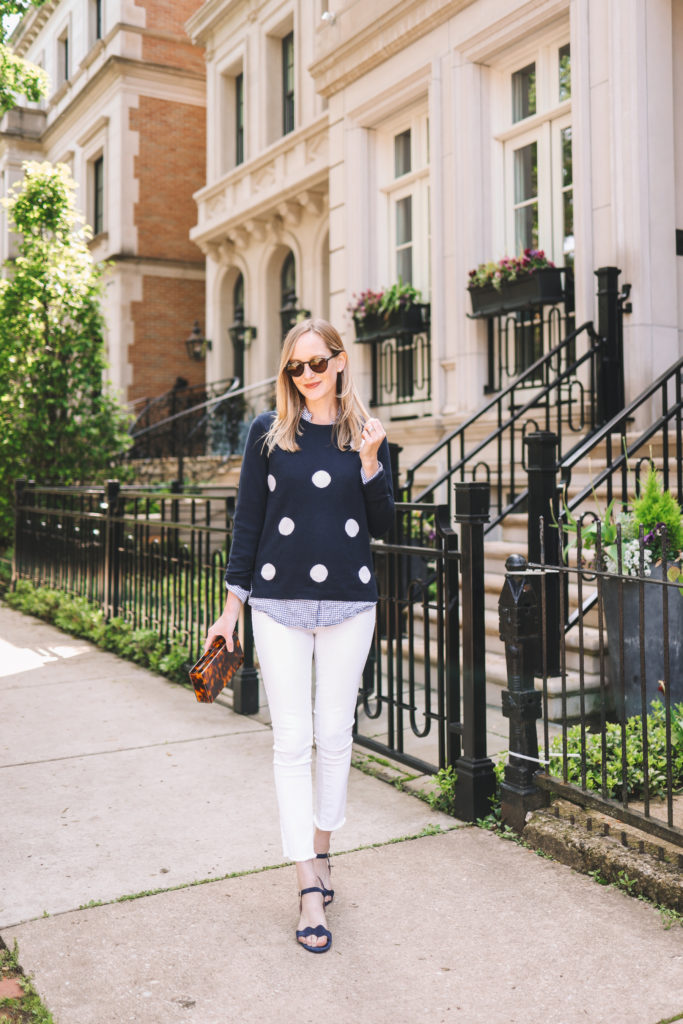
column 351, row 527
column 286, row 526
column 364, row 574
column 319, row 573
column 272, row 482
column 267, row 571
column 322, row 478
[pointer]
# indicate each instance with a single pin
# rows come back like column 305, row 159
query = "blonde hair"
column 286, row 426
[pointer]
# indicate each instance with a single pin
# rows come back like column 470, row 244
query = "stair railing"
column 215, row 426
column 619, row 455
column 563, row 400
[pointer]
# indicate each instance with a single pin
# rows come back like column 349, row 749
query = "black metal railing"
column 424, row 699
column 516, row 341
column 401, row 369
column 617, row 461
column 400, row 358
column 613, row 456
column 157, row 431
column 563, row 397
column 216, row 425
column 612, row 733
column 157, row 561
column 564, row 390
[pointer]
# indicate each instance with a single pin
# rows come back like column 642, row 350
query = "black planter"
column 368, row 326
column 411, row 318
column 542, row 288
column 653, row 642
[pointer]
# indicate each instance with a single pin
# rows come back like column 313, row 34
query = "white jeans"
column 285, row 656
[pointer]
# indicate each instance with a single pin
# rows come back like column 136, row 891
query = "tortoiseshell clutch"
column 215, row 669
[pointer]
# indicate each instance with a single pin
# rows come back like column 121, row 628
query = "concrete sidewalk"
column 115, row 782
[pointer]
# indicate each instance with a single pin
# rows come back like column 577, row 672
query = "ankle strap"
column 313, row 888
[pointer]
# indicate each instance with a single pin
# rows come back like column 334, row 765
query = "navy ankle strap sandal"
column 319, row 929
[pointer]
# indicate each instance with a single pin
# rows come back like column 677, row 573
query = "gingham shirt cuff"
column 367, row 479
column 238, row 592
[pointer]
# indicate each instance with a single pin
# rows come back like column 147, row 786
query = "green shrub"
column 656, row 508
column 77, row 616
column 635, row 778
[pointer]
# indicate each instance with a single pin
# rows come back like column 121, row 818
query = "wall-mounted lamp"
column 241, row 336
column 196, row 345
column 328, row 18
column 290, row 314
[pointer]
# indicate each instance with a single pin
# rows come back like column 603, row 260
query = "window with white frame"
column 538, row 155
column 288, row 83
column 97, row 189
column 232, row 117
column 63, row 58
column 404, row 163
column 96, row 20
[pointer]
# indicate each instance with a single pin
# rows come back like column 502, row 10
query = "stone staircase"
column 510, row 537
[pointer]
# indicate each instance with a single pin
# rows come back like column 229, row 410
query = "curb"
column 595, row 843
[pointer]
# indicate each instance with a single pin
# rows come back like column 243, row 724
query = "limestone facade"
column 126, row 112
column 433, row 135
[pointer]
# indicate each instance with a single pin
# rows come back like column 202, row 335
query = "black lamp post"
column 241, row 336
column 289, row 314
column 196, row 346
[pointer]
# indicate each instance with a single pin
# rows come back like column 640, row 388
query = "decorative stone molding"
column 374, row 41
column 255, row 200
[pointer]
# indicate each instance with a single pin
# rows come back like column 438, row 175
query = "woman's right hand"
column 225, row 624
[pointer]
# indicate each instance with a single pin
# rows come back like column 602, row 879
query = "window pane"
column 238, row 295
column 98, row 212
column 288, row 278
column 404, row 220
column 526, row 173
column 404, row 265
column 526, row 227
column 288, row 83
column 565, row 73
column 524, row 92
column 239, row 119
column 566, row 136
column 402, row 164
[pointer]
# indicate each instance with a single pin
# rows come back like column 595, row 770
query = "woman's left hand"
column 373, row 435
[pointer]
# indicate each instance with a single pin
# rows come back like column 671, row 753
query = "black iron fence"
column 158, row 560
column 401, row 359
column 175, row 420
column 192, row 423
column 402, row 369
column 611, row 734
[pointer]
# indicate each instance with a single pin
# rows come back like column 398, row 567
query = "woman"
column 315, row 484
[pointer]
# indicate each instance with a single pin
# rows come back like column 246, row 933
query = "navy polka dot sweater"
column 304, row 519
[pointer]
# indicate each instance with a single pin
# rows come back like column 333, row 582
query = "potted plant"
column 515, row 283
column 630, row 544
column 377, row 312
column 364, row 309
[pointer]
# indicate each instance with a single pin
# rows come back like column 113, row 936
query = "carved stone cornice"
column 349, row 53
column 261, row 197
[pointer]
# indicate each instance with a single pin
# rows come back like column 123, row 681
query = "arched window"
column 288, row 280
column 238, row 299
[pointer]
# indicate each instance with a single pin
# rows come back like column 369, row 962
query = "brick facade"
column 162, row 321
column 169, row 167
